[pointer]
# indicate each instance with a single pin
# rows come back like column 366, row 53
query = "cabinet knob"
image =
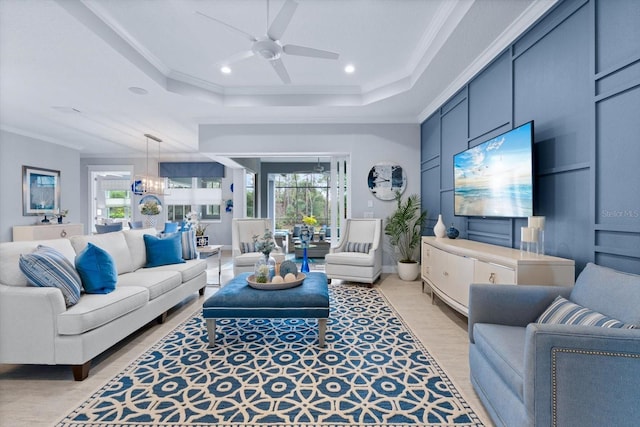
column 63, row 233
column 492, row 278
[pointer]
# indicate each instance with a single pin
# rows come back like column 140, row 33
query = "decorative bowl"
column 269, row 286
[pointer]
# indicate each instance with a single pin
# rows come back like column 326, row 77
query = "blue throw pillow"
column 97, row 270
column 46, row 267
column 163, row 250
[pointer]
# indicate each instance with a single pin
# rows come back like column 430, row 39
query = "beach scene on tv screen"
column 495, row 177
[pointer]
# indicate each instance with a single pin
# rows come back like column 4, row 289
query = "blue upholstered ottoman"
column 237, row 300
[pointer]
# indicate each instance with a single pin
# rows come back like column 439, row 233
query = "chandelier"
column 148, row 183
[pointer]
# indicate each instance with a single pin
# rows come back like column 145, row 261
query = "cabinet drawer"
column 486, row 272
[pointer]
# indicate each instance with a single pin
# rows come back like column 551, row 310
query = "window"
column 202, row 195
column 117, row 204
column 250, row 189
column 299, row 195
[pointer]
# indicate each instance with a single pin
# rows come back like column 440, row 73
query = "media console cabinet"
column 449, row 266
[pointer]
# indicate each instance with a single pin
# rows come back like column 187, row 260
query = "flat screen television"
column 495, row 178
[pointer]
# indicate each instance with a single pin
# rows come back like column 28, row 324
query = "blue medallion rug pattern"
column 271, row 372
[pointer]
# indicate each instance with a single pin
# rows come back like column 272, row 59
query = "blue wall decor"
column 577, row 74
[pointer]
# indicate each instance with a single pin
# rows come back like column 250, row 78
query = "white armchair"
column 243, row 230
column 347, row 262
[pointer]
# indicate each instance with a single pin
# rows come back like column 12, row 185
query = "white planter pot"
column 408, row 271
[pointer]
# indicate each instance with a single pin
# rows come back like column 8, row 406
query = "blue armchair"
column 541, row 374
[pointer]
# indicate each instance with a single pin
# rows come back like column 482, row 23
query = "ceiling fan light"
column 225, row 69
column 349, row 69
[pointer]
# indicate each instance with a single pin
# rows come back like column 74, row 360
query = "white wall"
column 17, row 151
column 366, row 144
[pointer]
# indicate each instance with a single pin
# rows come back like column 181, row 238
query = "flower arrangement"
column 265, row 244
column 62, row 213
column 193, row 219
column 150, row 208
column 262, row 273
column 310, row 220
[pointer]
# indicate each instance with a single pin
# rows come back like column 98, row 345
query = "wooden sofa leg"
column 201, row 291
column 162, row 318
column 81, row 372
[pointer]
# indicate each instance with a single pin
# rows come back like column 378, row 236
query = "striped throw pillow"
column 563, row 311
column 357, row 247
column 48, row 268
column 189, row 250
column 247, row 247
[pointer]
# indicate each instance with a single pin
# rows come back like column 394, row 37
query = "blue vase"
column 452, row 232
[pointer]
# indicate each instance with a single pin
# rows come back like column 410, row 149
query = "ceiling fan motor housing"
column 267, row 49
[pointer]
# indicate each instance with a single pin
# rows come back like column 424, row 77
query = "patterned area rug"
column 271, row 372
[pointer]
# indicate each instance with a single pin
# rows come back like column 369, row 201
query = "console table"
column 449, row 266
column 213, row 250
column 46, row 232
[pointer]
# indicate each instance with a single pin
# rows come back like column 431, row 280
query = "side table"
column 213, row 250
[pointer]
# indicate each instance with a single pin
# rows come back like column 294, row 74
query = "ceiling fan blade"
column 238, row 30
column 291, row 49
column 237, row 57
column 278, row 65
column 281, row 22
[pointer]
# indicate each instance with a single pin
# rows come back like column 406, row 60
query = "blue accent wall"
column 576, row 73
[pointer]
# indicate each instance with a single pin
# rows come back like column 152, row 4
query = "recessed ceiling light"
column 138, row 90
column 349, row 69
column 225, row 70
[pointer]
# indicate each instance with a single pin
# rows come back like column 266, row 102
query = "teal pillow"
column 97, row 270
column 46, row 267
column 163, row 250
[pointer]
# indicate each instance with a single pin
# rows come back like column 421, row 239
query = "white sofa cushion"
column 155, row 280
column 94, row 310
column 10, row 252
column 188, row 270
column 114, row 243
column 135, row 241
column 350, row 258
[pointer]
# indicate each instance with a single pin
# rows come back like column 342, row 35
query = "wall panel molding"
column 576, row 73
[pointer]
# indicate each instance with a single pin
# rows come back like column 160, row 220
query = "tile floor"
column 39, row 396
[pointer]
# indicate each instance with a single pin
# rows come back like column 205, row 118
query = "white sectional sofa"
column 36, row 327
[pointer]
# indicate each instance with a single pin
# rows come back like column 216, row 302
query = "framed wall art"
column 40, row 191
column 385, row 179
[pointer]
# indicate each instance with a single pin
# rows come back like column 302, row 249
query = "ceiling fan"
column 269, row 46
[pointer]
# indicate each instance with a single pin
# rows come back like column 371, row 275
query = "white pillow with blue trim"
column 565, row 312
column 48, row 268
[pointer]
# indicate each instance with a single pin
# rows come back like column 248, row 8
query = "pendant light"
column 148, row 183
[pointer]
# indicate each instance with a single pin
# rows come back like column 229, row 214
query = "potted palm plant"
column 404, row 228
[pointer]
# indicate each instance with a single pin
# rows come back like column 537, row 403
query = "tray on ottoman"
column 237, row 300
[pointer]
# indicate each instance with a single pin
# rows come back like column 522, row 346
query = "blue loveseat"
column 532, row 374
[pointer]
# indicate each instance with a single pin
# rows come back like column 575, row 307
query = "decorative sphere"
column 277, row 279
column 290, row 277
column 452, row 232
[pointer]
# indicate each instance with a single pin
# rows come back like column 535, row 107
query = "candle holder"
column 529, row 240
column 538, row 223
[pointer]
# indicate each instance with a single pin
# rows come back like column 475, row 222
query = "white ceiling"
column 66, row 66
